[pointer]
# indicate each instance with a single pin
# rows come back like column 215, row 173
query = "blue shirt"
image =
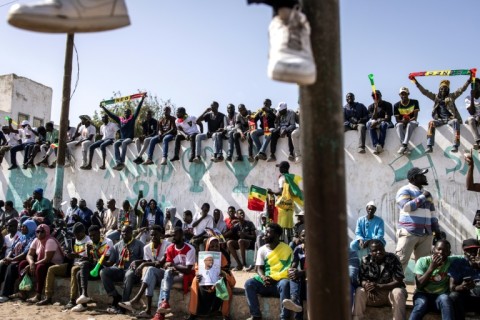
column 370, row 229
column 461, row 268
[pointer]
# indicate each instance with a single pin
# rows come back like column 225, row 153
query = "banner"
column 123, row 99
column 443, row 73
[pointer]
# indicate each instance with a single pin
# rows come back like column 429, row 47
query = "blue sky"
column 193, row 52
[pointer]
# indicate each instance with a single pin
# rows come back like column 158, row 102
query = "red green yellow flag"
column 293, row 180
column 256, row 198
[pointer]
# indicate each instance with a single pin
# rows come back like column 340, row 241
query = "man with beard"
column 417, row 220
column 432, row 283
column 381, row 282
column 216, row 122
column 123, row 254
column 444, row 111
column 272, row 264
column 368, row 227
column 180, row 258
column 167, row 130
column 465, row 279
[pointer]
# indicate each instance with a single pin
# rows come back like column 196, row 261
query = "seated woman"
column 45, row 251
column 153, row 216
column 9, row 265
column 202, row 298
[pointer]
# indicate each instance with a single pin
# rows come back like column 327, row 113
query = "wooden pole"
column 323, row 160
column 62, row 138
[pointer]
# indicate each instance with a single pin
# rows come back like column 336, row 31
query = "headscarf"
column 24, row 241
column 220, row 225
column 207, row 247
column 173, row 219
column 43, row 242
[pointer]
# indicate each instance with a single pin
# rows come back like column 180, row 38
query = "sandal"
column 143, row 315
column 17, row 295
column 33, row 300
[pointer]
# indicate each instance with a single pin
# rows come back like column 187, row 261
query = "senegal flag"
column 256, row 198
column 277, row 263
column 293, row 180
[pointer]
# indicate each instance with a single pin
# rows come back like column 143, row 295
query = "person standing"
column 417, row 220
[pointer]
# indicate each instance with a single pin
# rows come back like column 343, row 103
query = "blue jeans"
column 254, row 287
column 166, row 286
column 256, row 140
column 103, row 144
column 454, row 123
column 166, row 139
column 120, row 158
column 298, row 293
column 151, row 278
column 15, row 149
column 113, row 274
column 378, row 137
column 425, row 302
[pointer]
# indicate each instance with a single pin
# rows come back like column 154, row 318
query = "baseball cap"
column 25, row 123
column 85, row 117
column 281, row 106
column 470, row 243
column 283, row 164
column 414, row 172
column 404, row 89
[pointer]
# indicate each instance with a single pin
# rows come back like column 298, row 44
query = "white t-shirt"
column 281, row 181
column 27, row 135
column 80, row 248
column 71, row 132
column 12, row 139
column 85, row 131
column 101, row 247
column 207, row 222
column 9, row 240
column 151, row 219
column 188, row 125
column 148, row 255
column 476, row 102
column 109, row 130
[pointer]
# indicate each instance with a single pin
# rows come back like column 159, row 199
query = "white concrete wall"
column 187, row 186
column 22, row 95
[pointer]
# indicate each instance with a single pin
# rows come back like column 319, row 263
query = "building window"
column 37, row 122
column 22, row 116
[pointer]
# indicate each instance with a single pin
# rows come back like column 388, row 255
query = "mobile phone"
column 140, row 193
column 467, row 279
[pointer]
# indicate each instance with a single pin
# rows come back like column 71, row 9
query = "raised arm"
column 137, row 109
column 471, row 185
column 110, row 114
column 424, row 91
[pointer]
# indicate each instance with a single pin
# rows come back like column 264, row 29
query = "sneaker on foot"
column 70, row 16
column 454, row 149
column 239, row 158
column 290, row 305
column 138, row 160
column 251, row 159
column 290, row 54
column 83, row 299
column 291, row 157
column 78, row 308
column 175, row 158
column 158, row 316
column 272, row 158
column 147, row 162
column 298, row 159
column 402, row 150
column 379, row 149
column 429, row 149
column 3, row 299
column 261, row 156
column 220, row 158
column 361, row 150
column 163, row 162
column 229, row 159
column 118, row 167
column 476, row 146
column 164, row 307
column 13, row 167
column 197, row 159
column 130, row 306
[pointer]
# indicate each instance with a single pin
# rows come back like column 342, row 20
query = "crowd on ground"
column 235, row 127
column 377, row 118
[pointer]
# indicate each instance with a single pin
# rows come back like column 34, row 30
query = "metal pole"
column 322, row 139
column 62, row 138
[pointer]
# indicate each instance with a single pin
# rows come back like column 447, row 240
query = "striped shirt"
column 417, row 213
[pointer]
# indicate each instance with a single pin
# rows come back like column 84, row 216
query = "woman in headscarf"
column 153, row 216
column 171, row 221
column 9, row 266
column 203, row 299
column 45, row 251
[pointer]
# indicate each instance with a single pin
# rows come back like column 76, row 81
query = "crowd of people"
column 236, row 126
column 377, row 118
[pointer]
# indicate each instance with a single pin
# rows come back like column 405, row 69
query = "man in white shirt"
column 110, row 221
column 12, row 235
column 27, row 136
column 201, row 221
column 187, row 130
column 108, row 130
column 86, row 133
column 11, row 138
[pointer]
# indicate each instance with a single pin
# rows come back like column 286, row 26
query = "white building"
column 24, row 99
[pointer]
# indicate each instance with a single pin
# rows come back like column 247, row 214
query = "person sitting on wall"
column 203, row 299
column 86, row 136
column 50, row 144
column 381, row 282
column 186, row 130
column 444, row 111
column 11, row 140
column 284, row 126
column 127, row 131
column 298, row 279
column 154, row 260
column 380, row 113
column 216, row 122
column 149, row 131
column 267, row 117
column 167, row 130
column 243, row 238
column 201, row 221
column 27, row 137
column 368, row 227
column 32, row 150
column 432, row 283
column 108, row 130
column 355, row 117
column 465, row 280
column 242, row 134
column 272, row 264
column 406, row 114
column 231, row 133
column 125, row 252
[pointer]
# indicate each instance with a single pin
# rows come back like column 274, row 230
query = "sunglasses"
column 40, row 231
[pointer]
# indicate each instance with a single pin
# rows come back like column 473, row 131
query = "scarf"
column 97, row 251
column 126, row 120
column 22, row 242
column 180, row 120
column 124, row 255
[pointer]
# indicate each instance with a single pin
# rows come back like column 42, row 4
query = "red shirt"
column 184, row 256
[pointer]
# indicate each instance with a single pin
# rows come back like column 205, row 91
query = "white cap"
column 282, row 106
column 371, row 203
column 25, row 123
